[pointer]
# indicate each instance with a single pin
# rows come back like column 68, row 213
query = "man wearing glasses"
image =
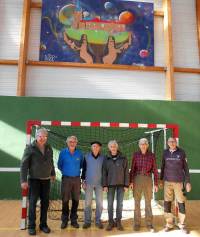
column 70, row 163
column 175, row 174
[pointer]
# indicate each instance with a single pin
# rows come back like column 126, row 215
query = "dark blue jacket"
column 174, row 166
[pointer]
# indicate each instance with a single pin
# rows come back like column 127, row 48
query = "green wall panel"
column 15, row 111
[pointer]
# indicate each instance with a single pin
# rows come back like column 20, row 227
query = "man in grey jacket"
column 92, row 181
column 37, row 163
column 175, row 174
column 115, row 180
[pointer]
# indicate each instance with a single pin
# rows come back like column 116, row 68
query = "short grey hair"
column 113, row 142
column 143, row 141
column 71, row 137
column 41, row 131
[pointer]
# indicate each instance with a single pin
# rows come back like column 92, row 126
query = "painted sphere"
column 108, row 6
column 66, row 14
column 126, row 17
column 144, row 53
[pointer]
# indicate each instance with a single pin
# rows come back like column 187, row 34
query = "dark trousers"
column 38, row 189
column 70, row 189
column 111, row 196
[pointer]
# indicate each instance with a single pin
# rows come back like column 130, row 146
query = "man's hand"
column 53, row 178
column 125, row 189
column 188, row 187
column 131, row 186
column 24, row 185
column 84, row 185
column 161, row 184
column 105, row 189
column 155, row 188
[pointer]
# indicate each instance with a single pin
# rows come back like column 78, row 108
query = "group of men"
column 99, row 173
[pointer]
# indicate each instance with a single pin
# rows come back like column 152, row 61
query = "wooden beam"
column 21, row 85
column 109, row 66
column 100, row 66
column 11, row 62
column 8, row 62
column 198, row 22
column 187, row 70
column 36, row 5
column 170, row 82
column 159, row 13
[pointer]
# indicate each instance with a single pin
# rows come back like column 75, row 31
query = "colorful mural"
column 100, row 31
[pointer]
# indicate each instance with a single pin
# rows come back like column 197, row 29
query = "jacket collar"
column 119, row 155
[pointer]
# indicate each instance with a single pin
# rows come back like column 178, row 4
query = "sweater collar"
column 95, row 157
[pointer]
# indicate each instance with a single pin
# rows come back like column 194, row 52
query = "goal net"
column 126, row 134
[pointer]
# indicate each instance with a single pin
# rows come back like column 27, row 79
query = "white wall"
column 8, row 80
column 94, row 83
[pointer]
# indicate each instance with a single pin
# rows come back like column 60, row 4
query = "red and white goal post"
column 31, row 123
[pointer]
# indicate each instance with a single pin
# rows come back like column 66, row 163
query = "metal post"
column 165, row 138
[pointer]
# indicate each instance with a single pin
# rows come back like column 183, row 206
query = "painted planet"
column 43, row 47
column 144, row 53
column 66, row 14
column 126, row 17
column 109, row 6
column 86, row 14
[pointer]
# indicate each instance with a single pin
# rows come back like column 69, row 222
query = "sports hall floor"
column 10, row 218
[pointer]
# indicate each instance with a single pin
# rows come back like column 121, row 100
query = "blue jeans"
column 88, row 202
column 111, row 197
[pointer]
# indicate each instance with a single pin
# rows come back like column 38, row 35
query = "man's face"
column 172, row 143
column 72, row 143
column 41, row 138
column 113, row 149
column 143, row 146
column 95, row 148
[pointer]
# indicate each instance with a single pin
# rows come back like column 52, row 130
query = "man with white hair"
column 115, row 179
column 37, row 163
column 143, row 165
column 70, row 163
column 175, row 173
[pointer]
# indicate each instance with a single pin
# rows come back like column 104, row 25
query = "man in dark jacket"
column 115, row 178
column 37, row 162
column 174, row 173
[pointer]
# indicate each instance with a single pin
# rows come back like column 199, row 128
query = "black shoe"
column 45, row 229
column 32, row 231
column 75, row 225
column 136, row 227
column 119, row 226
column 63, row 225
column 99, row 225
column 86, row 225
column 184, row 230
column 151, row 228
column 167, row 229
column 110, row 226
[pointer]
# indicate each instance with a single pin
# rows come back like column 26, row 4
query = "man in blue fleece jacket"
column 70, row 163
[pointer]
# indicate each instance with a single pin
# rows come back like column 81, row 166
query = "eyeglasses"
column 43, row 137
